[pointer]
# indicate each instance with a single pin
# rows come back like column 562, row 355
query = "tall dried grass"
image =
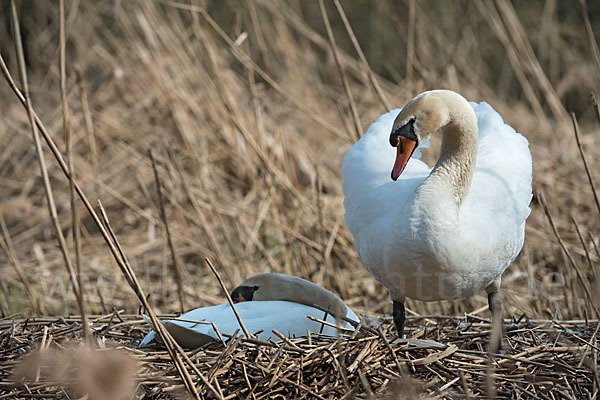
column 248, row 108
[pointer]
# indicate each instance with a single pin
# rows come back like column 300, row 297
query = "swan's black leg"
column 495, row 304
column 399, row 317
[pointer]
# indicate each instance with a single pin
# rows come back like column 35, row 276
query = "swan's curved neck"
column 458, row 151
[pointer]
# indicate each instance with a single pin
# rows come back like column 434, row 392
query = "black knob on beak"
column 407, row 130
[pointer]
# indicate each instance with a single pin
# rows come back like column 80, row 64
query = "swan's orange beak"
column 405, row 149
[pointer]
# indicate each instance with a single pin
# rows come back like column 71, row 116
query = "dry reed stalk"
column 115, row 248
column 175, row 351
column 591, row 182
column 596, row 106
column 399, row 366
column 11, row 254
column 463, row 62
column 585, row 162
column 229, row 300
column 272, row 262
column 580, row 277
column 585, row 248
column 490, row 13
column 89, row 125
column 372, row 78
column 410, row 43
column 465, row 385
column 54, row 149
column 233, row 112
column 521, row 41
column 591, row 38
column 214, row 245
column 260, row 38
column 260, row 126
column 595, row 245
column 68, row 140
column 249, row 63
column 281, row 10
column 40, row 154
column 491, row 390
column 178, row 269
column 355, row 118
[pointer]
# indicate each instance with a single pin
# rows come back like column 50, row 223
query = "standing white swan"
column 445, row 232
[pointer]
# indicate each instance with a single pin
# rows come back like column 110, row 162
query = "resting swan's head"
column 421, row 117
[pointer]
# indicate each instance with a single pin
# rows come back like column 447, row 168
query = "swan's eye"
column 407, row 131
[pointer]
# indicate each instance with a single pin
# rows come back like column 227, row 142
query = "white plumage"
column 410, row 233
column 286, row 317
column 265, row 302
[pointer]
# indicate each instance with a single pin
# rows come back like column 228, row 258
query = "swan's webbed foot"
column 495, row 305
column 399, row 315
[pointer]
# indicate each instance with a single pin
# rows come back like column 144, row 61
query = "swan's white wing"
column 258, row 316
column 503, row 170
column 494, row 212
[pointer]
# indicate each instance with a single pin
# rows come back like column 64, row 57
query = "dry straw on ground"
column 248, row 108
column 543, row 360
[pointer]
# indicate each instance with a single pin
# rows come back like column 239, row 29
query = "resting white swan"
column 265, row 302
column 273, row 286
column 445, row 232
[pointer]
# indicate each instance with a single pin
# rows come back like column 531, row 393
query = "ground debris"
column 540, row 356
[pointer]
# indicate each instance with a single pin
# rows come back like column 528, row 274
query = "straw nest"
column 445, row 358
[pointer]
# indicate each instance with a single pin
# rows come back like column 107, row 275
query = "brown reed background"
column 245, row 110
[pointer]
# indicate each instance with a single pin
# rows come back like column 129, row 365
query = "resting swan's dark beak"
column 243, row 293
column 405, row 149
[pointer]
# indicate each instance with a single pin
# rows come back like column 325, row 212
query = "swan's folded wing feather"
column 500, row 193
column 503, row 154
column 260, row 317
